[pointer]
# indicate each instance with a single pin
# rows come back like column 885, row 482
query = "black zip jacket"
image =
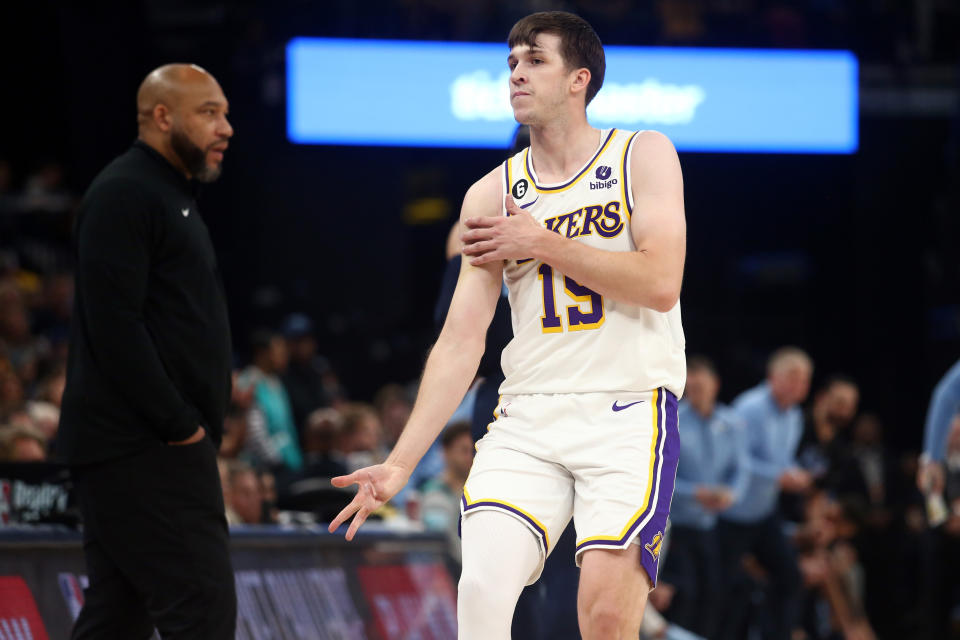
column 150, row 355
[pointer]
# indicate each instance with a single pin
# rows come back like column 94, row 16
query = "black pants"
column 155, row 541
column 693, row 566
column 941, row 585
column 767, row 543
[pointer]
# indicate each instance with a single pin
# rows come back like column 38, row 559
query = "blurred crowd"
column 791, row 517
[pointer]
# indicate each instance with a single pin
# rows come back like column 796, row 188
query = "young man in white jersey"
column 588, row 230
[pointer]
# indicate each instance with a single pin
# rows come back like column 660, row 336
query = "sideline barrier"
column 295, row 584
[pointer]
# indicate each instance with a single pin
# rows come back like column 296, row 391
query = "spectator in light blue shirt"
column 712, row 474
column 944, row 404
column 774, row 424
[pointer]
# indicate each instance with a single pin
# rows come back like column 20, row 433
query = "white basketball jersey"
column 568, row 338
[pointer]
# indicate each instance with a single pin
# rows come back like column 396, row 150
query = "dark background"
column 850, row 257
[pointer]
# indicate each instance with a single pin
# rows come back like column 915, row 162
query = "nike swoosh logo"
column 621, row 407
column 185, row 212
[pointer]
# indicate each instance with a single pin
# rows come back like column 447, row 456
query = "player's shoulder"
column 650, row 146
column 485, row 196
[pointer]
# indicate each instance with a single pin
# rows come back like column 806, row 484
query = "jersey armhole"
column 506, row 187
column 627, row 175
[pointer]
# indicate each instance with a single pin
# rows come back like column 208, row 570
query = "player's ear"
column 581, row 80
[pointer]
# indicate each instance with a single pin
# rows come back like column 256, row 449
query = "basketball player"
column 587, row 227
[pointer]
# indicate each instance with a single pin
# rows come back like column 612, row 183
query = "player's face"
column 539, row 80
column 201, row 130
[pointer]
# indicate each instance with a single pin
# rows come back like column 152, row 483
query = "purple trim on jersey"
column 574, row 178
column 524, row 206
column 653, row 521
column 626, row 175
column 500, row 505
column 506, row 178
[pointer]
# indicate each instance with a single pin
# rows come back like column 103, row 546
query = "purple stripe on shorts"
column 505, row 507
column 653, row 520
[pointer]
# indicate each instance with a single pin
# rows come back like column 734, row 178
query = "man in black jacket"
column 148, row 377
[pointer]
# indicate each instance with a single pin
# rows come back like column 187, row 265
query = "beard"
column 194, row 158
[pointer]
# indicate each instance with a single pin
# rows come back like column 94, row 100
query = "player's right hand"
column 377, row 484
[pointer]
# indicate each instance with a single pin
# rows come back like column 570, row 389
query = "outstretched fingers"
column 362, row 505
column 358, row 520
column 345, row 514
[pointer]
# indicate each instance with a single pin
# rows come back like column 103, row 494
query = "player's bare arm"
column 447, row 375
column 650, row 276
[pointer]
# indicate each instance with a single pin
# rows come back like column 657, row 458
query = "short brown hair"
column 454, row 431
column 579, row 44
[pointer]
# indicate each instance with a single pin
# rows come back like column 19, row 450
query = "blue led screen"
column 456, row 94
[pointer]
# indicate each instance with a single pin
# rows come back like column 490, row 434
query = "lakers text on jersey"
column 567, row 337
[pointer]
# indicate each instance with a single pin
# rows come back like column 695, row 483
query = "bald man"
column 148, row 377
column 773, row 425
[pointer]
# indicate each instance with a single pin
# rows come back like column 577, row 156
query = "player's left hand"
column 512, row 237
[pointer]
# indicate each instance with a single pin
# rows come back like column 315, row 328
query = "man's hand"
column 704, row 495
column 930, row 477
column 196, row 437
column 493, row 238
column 723, row 498
column 795, row 480
column 714, row 498
column 377, row 484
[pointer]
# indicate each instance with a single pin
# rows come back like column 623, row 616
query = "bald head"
column 182, row 113
column 166, row 86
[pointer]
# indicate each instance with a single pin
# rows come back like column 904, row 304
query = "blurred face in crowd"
column 14, row 322
column 366, row 434
column 11, row 391
column 701, row 389
column 790, row 381
column 246, row 497
column 459, row 456
column 324, row 429
column 302, row 348
column 27, row 450
column 867, row 430
column 840, row 403
column 279, row 356
column 183, row 110
column 395, row 416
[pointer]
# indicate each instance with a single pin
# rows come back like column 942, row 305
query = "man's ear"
column 162, row 117
column 581, row 80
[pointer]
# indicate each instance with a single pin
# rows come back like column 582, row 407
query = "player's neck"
column 560, row 148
